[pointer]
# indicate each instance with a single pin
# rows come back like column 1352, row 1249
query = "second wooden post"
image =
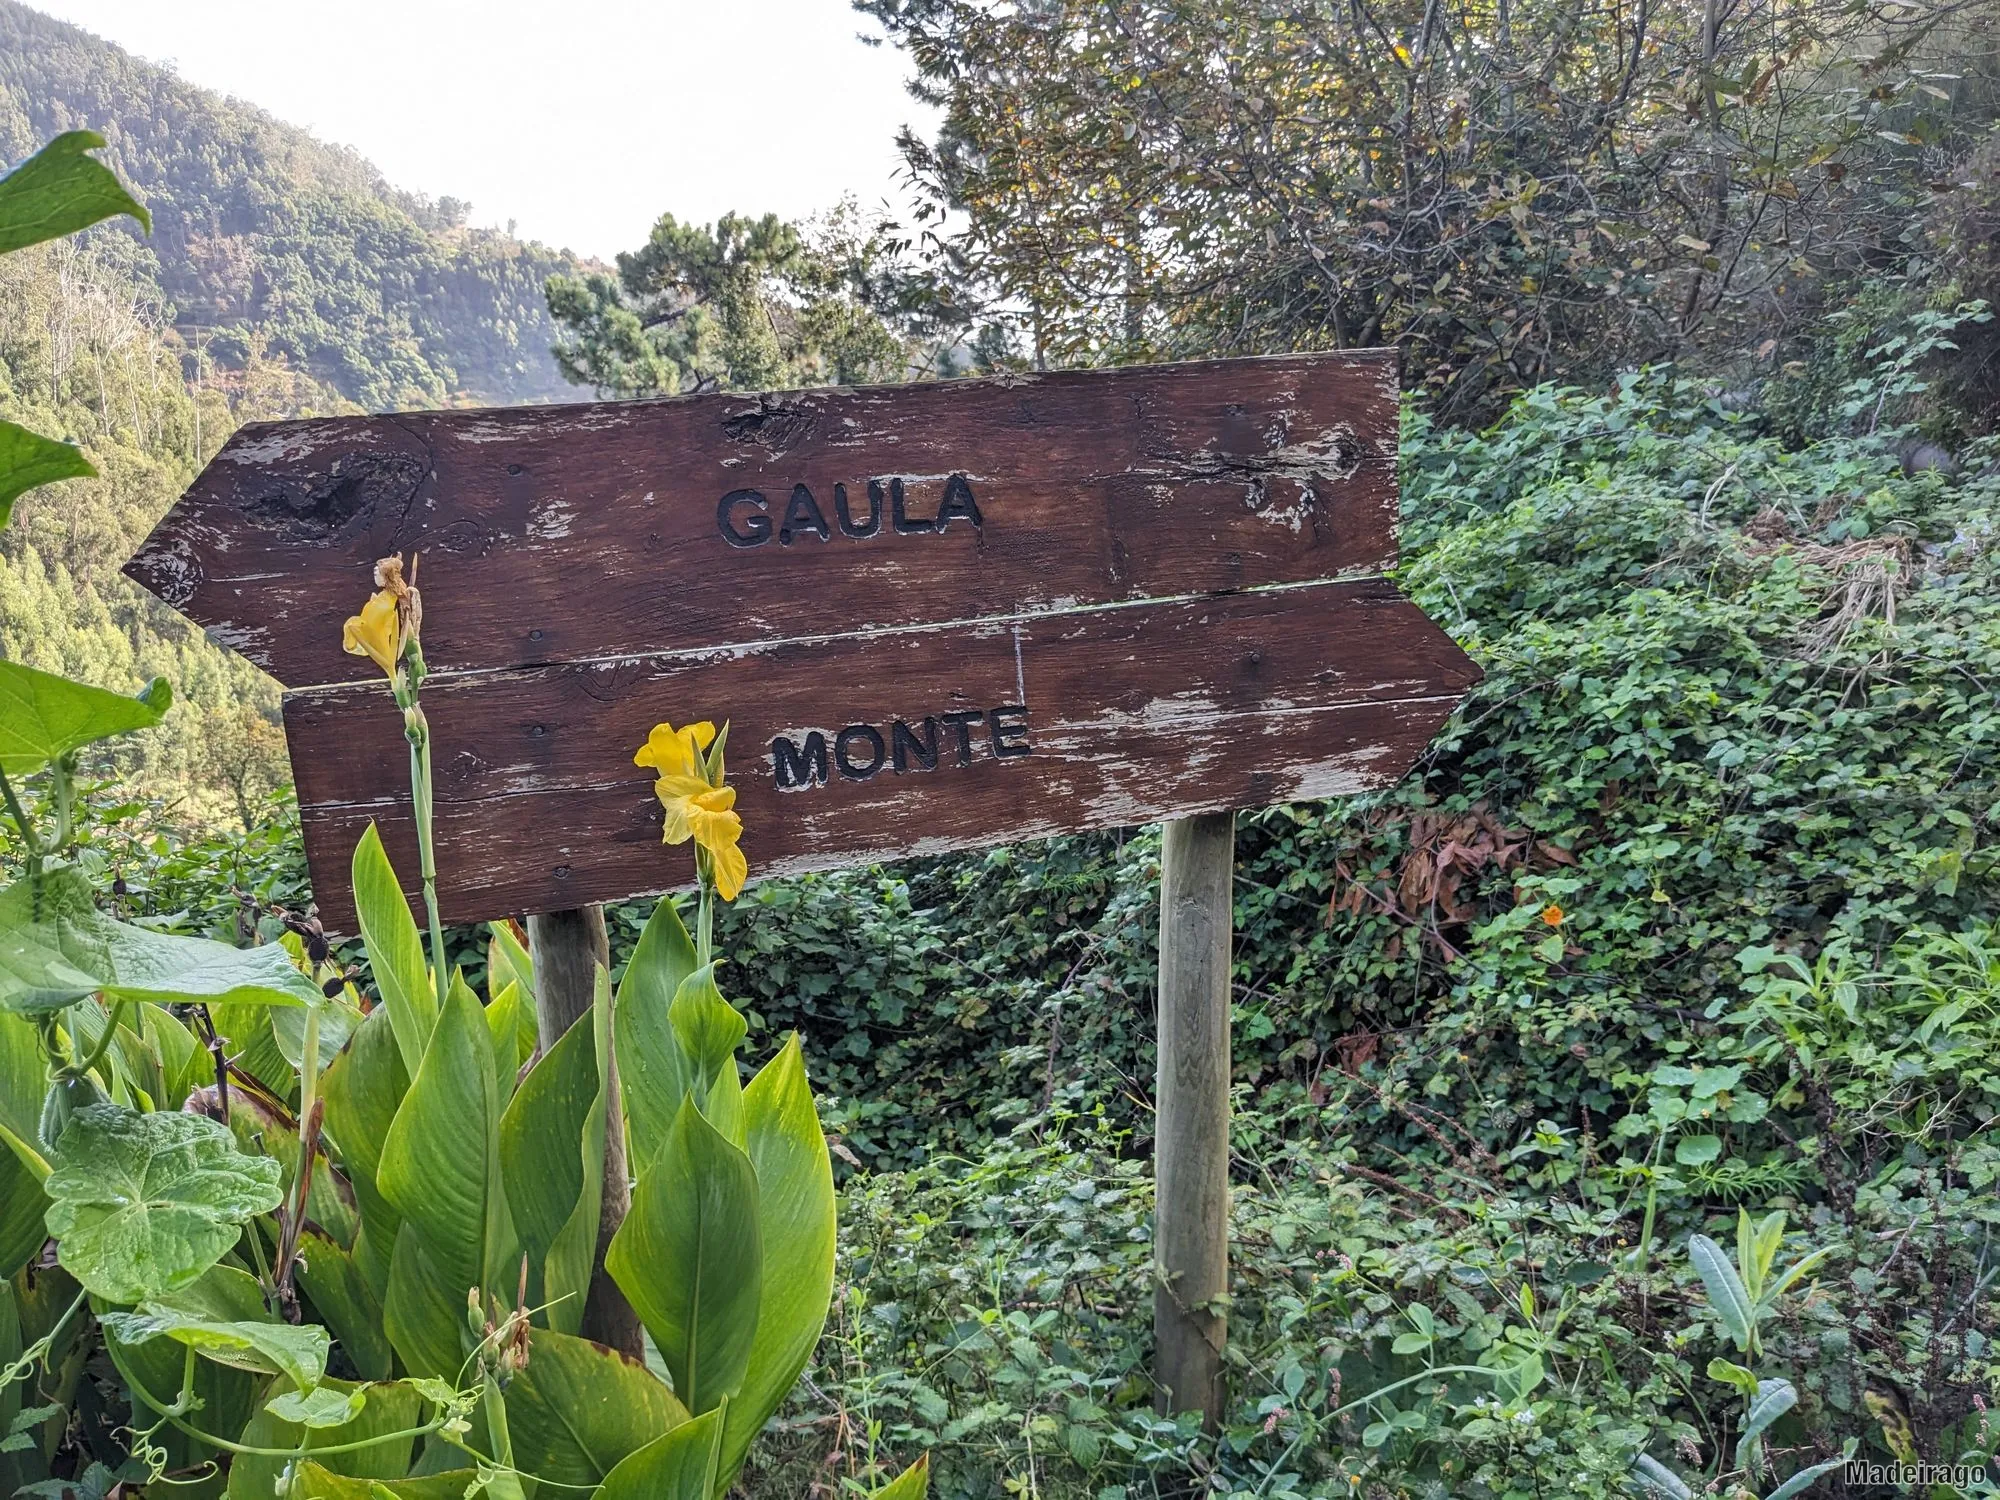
column 1191, row 1140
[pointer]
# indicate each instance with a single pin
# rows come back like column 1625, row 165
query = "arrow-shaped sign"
column 937, row 616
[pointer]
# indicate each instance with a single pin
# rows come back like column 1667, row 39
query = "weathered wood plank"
column 558, row 533
column 1090, row 719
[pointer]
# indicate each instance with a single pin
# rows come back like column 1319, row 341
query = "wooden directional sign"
column 938, row 616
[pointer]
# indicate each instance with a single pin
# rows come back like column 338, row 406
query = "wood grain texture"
column 1191, row 1134
column 564, row 533
column 1132, row 714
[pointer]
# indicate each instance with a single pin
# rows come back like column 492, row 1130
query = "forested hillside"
column 283, row 277
column 266, row 241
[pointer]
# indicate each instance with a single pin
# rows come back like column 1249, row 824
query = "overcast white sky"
column 582, row 121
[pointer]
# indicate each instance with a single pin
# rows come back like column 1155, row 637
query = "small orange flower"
column 1553, row 915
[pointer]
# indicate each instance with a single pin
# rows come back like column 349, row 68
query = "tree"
column 745, row 304
column 1508, row 189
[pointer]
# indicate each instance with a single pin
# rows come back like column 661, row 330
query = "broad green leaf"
column 572, row 1258
column 390, row 1408
column 363, row 1089
column 682, row 1465
column 185, row 1065
column 1725, row 1290
column 653, row 1073
column 914, row 1483
column 316, row 1482
column 540, row 1163
column 227, row 1394
column 1774, row 1399
column 143, row 1204
column 440, row 1165
column 261, row 1131
column 23, row 1081
column 423, row 1312
column 1697, row 1150
column 322, row 1406
column 43, row 716
column 248, row 1038
column 503, row 1025
column 507, row 961
column 296, row 1352
column 56, row 947
column 1655, row 1478
column 707, row 1026
column 345, row 1301
column 395, row 951
column 60, row 190
column 1802, row 1481
column 23, row 1206
column 579, row 1409
column 1804, row 1265
column 689, row 1258
column 1733, row 1374
column 795, row 1214
column 339, row 1019
column 28, row 460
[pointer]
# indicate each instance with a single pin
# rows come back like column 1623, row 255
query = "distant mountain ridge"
column 268, row 243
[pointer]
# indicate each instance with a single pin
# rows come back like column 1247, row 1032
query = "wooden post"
column 567, row 948
column 1191, row 1141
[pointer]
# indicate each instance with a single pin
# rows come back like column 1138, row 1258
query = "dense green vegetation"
column 1669, row 974
column 269, row 245
column 1739, row 727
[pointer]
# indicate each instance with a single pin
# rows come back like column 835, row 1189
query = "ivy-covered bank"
column 1689, row 911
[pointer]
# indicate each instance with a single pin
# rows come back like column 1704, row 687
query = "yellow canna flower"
column 695, row 810
column 676, row 752
column 376, row 632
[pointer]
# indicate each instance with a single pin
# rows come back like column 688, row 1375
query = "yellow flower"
column 676, row 752
column 695, row 810
column 376, row 632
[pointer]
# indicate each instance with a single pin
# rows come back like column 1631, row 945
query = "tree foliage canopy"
column 1509, row 189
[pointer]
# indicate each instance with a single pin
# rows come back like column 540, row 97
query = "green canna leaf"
column 579, row 1409
column 653, row 1071
column 363, row 1088
column 316, row 1482
column 388, row 1409
column 503, row 1025
column 795, row 1214
column 689, row 1258
column 914, row 1483
column 423, row 1312
column 339, row 1291
column 683, row 1465
column 1725, row 1291
column 440, row 1167
column 395, row 950
column 541, row 1164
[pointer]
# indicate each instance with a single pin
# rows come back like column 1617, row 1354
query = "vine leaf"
column 28, row 459
column 43, row 716
column 56, row 947
column 60, row 190
column 298, row 1353
column 141, row 1205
